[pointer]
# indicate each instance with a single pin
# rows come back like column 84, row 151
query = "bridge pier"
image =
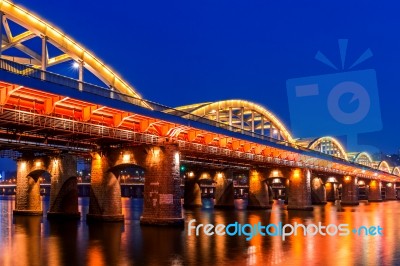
column 349, row 191
column 162, row 201
column 64, row 188
column 391, row 191
column 299, row 190
column 318, row 191
column 192, row 190
column 331, row 187
column 27, row 200
column 200, row 189
column 374, row 194
column 258, row 190
column 105, row 193
column 207, row 188
column 162, row 191
column 224, row 192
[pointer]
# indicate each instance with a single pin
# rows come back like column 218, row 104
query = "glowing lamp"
column 126, row 158
column 296, row 173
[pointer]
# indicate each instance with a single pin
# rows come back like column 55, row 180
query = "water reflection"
column 104, row 243
column 62, row 242
column 37, row 241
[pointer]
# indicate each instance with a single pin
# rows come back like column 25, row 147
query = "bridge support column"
column 27, row 200
column 299, row 190
column 199, row 189
column 391, row 191
column 318, row 192
column 224, row 197
column 258, row 190
column 162, row 202
column 105, row 193
column 64, row 188
column 192, row 191
column 374, row 194
column 331, row 191
column 350, row 191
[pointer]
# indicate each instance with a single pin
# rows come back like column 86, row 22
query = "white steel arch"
column 384, row 166
column 328, row 145
column 70, row 49
column 363, row 158
column 243, row 115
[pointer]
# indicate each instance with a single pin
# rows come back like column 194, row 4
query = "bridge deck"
column 45, row 110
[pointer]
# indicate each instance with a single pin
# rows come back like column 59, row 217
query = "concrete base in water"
column 27, row 213
column 104, row 218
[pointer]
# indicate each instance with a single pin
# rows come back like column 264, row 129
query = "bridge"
column 231, row 153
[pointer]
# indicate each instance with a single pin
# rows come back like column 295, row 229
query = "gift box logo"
column 344, row 103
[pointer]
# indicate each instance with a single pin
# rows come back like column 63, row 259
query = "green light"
column 183, row 168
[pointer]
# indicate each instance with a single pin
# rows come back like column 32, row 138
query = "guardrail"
column 35, row 73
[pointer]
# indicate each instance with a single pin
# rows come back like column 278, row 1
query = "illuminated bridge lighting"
column 236, row 131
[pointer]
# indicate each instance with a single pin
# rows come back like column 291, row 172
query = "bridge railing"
column 35, row 73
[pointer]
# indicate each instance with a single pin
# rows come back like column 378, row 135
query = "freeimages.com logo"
column 335, row 104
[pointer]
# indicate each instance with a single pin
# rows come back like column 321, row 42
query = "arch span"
column 70, row 49
column 361, row 158
column 241, row 114
column 327, row 145
column 384, row 166
column 396, row 171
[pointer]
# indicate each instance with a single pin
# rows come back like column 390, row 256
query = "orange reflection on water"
column 95, row 256
column 36, row 241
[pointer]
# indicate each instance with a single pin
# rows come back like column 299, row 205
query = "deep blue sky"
column 181, row 52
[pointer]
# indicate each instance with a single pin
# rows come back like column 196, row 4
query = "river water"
column 37, row 241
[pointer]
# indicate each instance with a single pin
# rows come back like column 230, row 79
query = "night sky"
column 182, row 52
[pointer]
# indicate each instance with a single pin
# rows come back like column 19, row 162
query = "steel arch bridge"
column 261, row 133
column 254, row 118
